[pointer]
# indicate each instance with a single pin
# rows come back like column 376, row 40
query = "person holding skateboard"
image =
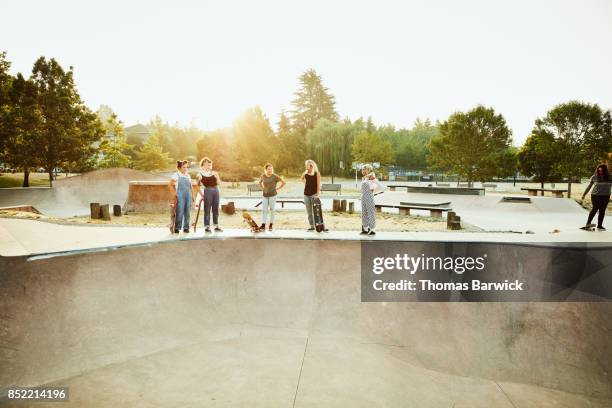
column 268, row 182
column 210, row 180
column 312, row 188
column 600, row 196
column 181, row 182
column 369, row 183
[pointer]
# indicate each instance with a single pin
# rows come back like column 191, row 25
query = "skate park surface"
column 138, row 317
column 240, row 322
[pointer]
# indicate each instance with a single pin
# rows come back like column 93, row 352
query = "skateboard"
column 173, row 206
column 195, row 224
column 589, row 227
column 250, row 222
column 317, row 212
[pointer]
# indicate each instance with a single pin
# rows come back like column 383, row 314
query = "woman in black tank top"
column 312, row 187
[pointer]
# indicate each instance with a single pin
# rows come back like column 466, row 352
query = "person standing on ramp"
column 210, row 180
column 181, row 181
column 600, row 197
column 312, row 188
column 369, row 183
column 268, row 182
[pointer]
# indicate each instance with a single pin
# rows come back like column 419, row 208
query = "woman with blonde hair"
column 312, row 188
column 210, row 181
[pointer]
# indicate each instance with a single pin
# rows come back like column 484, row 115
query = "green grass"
column 16, row 180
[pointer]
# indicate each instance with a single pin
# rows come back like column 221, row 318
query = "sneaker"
column 217, row 229
column 311, row 229
column 262, row 227
column 371, row 232
column 269, row 227
column 601, row 228
column 176, row 231
column 363, row 232
column 207, row 229
column 186, row 230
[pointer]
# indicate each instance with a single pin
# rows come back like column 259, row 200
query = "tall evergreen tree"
column 312, row 102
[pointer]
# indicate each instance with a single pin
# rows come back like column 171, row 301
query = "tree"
column 312, row 102
column 23, row 139
column 68, row 129
column 539, row 157
column 411, row 146
column 470, row 144
column 6, row 80
column 371, row 148
column 292, row 146
column 217, row 146
column 114, row 147
column 583, row 135
column 330, row 143
column 254, row 140
column 151, row 155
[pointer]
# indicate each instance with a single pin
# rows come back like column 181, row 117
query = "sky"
column 205, row 62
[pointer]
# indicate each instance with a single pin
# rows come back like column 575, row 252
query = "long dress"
column 368, row 216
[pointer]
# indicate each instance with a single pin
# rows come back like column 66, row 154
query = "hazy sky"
column 394, row 60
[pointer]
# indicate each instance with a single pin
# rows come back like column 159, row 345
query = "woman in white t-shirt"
column 181, row 181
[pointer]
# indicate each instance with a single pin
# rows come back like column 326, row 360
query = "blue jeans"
column 211, row 201
column 268, row 202
column 183, row 205
column 308, row 201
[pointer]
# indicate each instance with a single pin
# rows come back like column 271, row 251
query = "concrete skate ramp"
column 238, row 322
column 71, row 195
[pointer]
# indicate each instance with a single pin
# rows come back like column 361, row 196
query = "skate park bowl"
column 71, row 196
column 280, row 323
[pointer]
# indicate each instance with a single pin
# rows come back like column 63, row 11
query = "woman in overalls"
column 368, row 210
column 210, row 180
column 181, row 181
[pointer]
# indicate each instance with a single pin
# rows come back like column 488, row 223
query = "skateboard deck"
column 317, row 212
column 589, row 227
column 173, row 205
column 250, row 221
column 195, row 224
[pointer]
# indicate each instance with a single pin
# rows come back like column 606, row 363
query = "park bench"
column 253, row 188
column 489, row 185
column 332, row 187
column 434, row 211
column 446, row 190
column 442, row 184
column 282, row 202
column 556, row 192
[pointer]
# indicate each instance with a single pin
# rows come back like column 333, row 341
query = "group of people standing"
column 209, row 182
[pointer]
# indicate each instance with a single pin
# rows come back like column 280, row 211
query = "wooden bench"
column 556, row 192
column 253, row 188
column 282, row 202
column 438, row 204
column 405, row 209
column 332, row 187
